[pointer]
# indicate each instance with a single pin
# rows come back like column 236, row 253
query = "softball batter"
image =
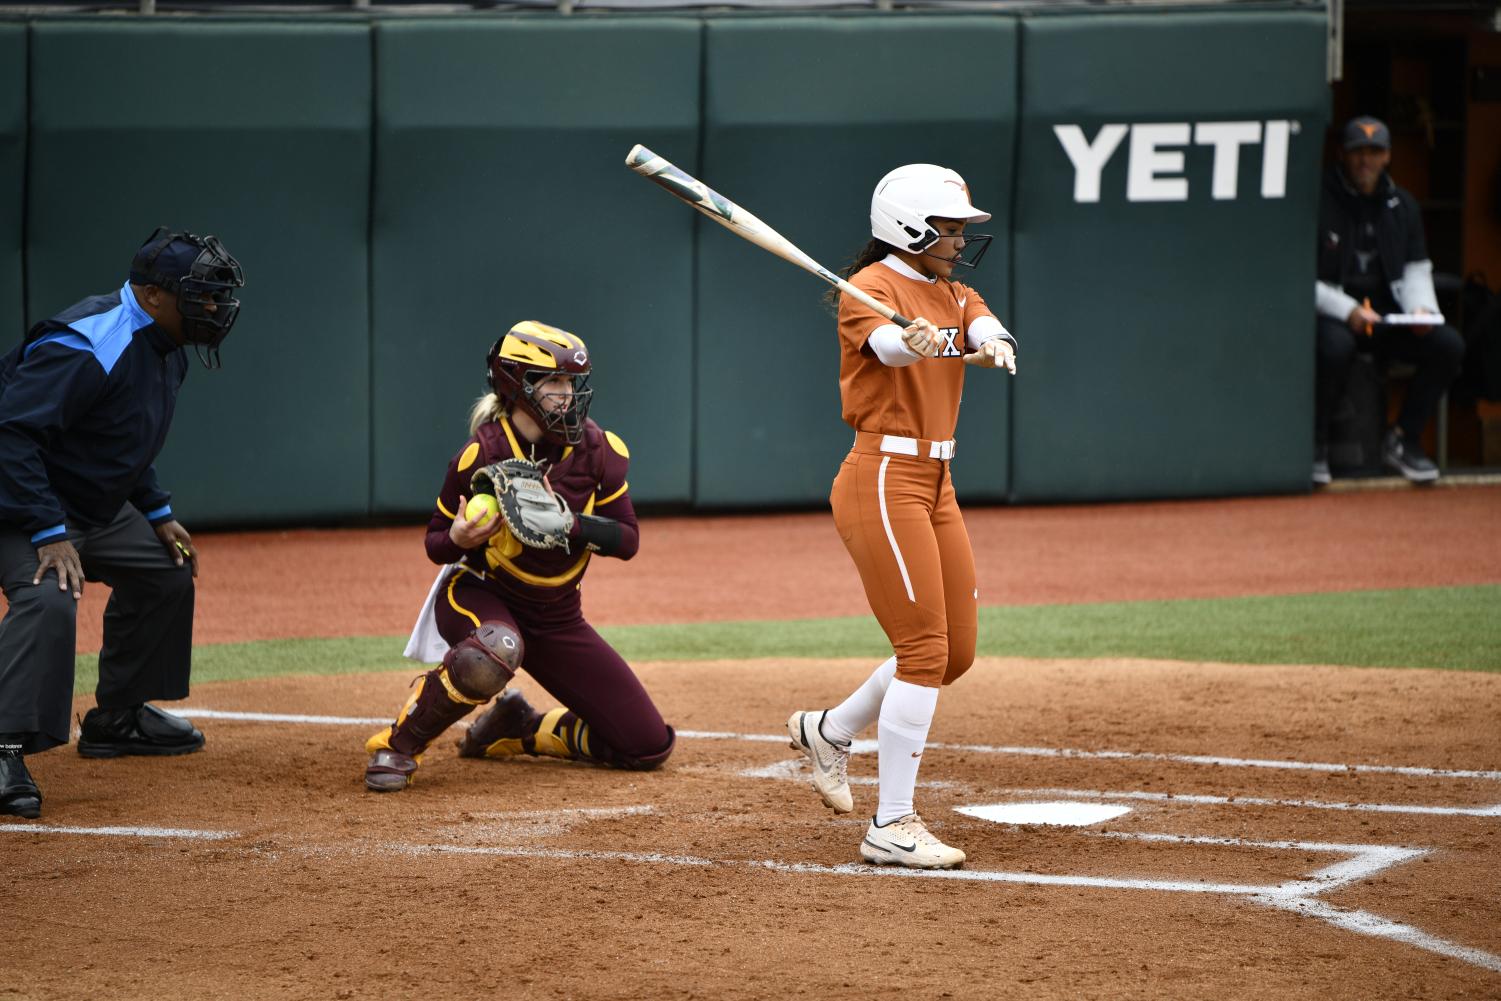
column 893, row 500
column 499, row 605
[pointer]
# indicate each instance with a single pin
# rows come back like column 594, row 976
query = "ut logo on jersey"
column 949, row 338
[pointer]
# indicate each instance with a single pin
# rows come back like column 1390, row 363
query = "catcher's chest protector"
column 575, row 477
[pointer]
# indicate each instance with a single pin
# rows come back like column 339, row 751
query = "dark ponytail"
column 869, row 254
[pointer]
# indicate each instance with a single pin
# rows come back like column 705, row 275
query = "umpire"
column 85, row 404
column 1373, row 260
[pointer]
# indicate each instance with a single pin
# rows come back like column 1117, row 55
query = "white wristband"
column 886, row 341
column 986, row 328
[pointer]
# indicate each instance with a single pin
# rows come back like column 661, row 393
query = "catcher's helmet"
column 907, row 198
column 530, row 352
column 202, row 274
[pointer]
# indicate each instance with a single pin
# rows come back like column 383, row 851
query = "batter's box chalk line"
column 869, row 745
column 796, row 770
column 1297, row 896
column 167, row 833
column 1300, row 804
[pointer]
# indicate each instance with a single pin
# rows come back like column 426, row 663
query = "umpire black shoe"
column 1407, row 458
column 142, row 729
column 19, row 796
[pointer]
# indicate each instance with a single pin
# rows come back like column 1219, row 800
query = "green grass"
column 1457, row 628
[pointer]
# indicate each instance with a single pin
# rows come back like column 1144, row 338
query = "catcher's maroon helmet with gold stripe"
column 530, row 352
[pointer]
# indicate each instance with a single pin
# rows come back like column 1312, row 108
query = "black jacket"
column 1398, row 225
column 85, row 403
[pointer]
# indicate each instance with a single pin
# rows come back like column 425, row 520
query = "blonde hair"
column 486, row 409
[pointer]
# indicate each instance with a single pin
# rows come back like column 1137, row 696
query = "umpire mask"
column 203, row 276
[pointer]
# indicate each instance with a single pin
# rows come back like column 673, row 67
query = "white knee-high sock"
column 906, row 714
column 845, row 721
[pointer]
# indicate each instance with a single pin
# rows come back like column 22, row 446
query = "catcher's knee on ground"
column 474, row 670
column 651, row 761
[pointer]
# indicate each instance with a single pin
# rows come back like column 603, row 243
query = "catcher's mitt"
column 536, row 517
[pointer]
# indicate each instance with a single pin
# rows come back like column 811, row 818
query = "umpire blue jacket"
column 85, row 403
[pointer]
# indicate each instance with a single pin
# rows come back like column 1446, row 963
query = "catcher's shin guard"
column 472, row 672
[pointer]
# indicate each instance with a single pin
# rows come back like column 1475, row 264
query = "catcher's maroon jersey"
column 589, row 476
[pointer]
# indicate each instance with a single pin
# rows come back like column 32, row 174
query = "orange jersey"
column 920, row 400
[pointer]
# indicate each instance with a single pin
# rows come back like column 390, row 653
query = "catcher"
column 508, row 593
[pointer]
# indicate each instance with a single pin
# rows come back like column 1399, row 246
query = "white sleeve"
column 1415, row 290
column 1331, row 301
column 986, row 328
column 886, row 341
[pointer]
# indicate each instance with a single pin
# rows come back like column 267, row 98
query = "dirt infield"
column 723, row 877
column 1286, row 831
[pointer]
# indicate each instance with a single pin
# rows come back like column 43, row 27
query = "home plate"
column 1061, row 814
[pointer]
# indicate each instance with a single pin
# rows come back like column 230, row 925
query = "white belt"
column 897, row 445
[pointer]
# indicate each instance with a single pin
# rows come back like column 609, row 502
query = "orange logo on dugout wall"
column 1156, row 157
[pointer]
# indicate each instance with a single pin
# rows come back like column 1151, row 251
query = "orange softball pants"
column 901, row 524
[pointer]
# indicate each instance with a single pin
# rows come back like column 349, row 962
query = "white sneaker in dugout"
column 907, row 841
column 830, row 760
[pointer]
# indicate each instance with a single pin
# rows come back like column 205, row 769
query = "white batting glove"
column 994, row 353
column 922, row 338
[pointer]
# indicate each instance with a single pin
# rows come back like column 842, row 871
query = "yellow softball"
column 480, row 507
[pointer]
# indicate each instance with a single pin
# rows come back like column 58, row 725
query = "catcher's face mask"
column 203, row 276
column 560, row 401
column 544, row 371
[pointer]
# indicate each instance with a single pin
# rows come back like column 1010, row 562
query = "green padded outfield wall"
column 1162, row 305
column 258, row 132
column 12, row 180
column 1164, row 300
column 502, row 195
column 802, row 118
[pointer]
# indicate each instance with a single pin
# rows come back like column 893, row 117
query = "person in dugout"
column 500, row 604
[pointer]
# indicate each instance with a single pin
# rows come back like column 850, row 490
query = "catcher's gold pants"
column 901, row 524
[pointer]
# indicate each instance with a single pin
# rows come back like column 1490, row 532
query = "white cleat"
column 907, row 841
column 830, row 760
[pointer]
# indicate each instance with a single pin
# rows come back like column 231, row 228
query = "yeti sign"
column 1155, row 157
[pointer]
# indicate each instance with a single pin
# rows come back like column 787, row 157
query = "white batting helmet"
column 906, row 198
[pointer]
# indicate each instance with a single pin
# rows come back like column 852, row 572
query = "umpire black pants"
column 148, row 628
column 1437, row 356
